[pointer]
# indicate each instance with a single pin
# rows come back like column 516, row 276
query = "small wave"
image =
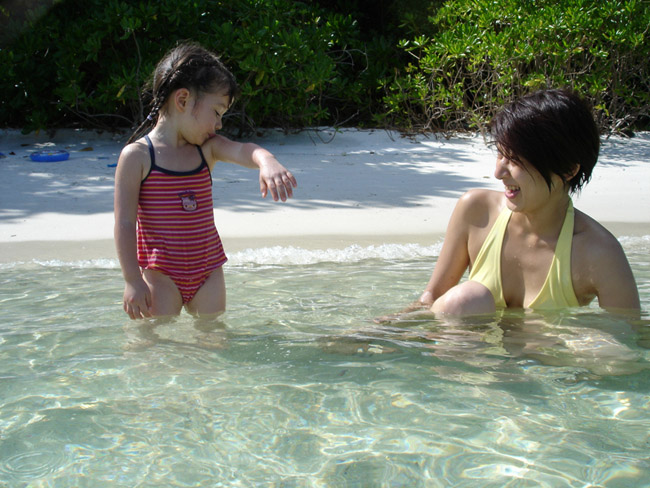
column 58, row 263
column 276, row 255
column 290, row 255
column 279, row 255
column 635, row 243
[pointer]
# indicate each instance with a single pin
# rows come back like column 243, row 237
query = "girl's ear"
column 181, row 99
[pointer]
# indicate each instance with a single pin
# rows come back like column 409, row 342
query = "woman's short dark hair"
column 554, row 130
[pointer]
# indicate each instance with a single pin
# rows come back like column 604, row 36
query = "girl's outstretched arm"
column 274, row 177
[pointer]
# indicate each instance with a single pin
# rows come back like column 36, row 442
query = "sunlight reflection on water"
column 297, row 386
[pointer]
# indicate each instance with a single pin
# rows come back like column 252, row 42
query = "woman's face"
column 525, row 188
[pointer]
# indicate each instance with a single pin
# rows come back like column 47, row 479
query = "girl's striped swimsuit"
column 176, row 231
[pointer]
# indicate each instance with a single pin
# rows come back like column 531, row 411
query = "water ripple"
column 32, row 465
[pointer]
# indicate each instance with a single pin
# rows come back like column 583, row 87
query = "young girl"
column 167, row 243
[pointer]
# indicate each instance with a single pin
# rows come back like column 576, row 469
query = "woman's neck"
column 546, row 221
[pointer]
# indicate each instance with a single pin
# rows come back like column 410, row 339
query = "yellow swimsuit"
column 557, row 291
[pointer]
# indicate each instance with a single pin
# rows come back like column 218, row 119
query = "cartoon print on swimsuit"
column 188, row 201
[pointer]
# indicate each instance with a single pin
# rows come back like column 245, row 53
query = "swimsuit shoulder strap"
column 487, row 265
column 151, row 152
column 557, row 290
column 152, row 156
column 204, row 162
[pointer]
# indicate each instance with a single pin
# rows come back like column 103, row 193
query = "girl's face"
column 525, row 188
column 206, row 114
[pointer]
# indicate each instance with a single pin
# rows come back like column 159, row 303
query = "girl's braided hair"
column 189, row 66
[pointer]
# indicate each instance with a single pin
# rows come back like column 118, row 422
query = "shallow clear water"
column 298, row 387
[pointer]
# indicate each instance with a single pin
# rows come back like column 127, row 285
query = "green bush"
column 85, row 61
column 294, row 63
column 475, row 55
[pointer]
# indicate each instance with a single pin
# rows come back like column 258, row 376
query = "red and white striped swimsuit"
column 176, row 231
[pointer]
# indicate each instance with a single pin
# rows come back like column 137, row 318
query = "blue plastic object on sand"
column 49, row 156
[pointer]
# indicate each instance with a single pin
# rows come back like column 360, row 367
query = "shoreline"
column 355, row 187
column 94, row 249
column 76, row 251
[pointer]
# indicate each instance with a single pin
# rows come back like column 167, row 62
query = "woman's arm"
column 454, row 257
column 472, row 211
column 614, row 282
column 599, row 267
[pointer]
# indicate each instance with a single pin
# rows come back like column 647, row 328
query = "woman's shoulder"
column 478, row 207
column 481, row 201
column 592, row 239
column 600, row 266
column 587, row 227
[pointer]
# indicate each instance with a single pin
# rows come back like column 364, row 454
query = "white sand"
column 364, row 187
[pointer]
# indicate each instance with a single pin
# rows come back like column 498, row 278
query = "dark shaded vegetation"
column 411, row 65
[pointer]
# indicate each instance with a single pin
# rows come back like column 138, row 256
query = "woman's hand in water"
column 418, row 309
column 426, row 299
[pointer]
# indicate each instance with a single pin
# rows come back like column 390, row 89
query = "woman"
column 526, row 246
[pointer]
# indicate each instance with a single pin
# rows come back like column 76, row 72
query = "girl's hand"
column 276, row 179
column 137, row 300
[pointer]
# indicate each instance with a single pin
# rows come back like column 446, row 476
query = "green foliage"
column 85, row 62
column 483, row 53
column 327, row 62
column 291, row 62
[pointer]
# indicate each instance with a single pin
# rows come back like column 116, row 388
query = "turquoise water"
column 297, row 387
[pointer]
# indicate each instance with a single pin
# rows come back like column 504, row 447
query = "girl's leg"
column 210, row 299
column 165, row 297
column 468, row 298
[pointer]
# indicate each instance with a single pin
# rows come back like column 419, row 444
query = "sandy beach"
column 354, row 187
